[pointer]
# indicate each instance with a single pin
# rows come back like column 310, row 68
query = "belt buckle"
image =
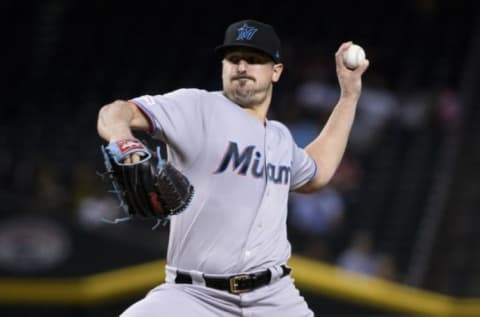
column 234, row 281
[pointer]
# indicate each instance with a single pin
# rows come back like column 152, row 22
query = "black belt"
column 235, row 284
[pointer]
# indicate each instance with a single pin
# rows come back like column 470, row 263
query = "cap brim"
column 221, row 49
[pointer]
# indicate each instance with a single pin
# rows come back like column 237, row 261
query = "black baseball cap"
column 251, row 34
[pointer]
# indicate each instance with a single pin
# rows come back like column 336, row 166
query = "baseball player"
column 228, row 251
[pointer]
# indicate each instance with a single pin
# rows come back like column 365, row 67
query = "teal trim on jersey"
column 315, row 168
column 148, row 114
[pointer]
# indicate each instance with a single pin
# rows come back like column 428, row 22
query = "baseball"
column 353, row 56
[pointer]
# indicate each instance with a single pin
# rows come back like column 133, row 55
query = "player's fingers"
column 132, row 158
column 339, row 54
column 135, row 157
column 362, row 67
column 127, row 160
column 343, row 47
column 341, row 50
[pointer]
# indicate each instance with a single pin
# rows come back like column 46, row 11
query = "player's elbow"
column 314, row 185
column 119, row 109
column 101, row 128
column 105, row 110
column 117, row 106
column 110, row 116
column 102, row 112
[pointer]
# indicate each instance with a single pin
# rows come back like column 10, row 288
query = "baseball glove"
column 149, row 188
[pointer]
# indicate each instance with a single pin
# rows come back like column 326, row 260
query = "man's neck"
column 259, row 113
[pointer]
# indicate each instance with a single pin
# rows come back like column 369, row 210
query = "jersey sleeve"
column 177, row 119
column 304, row 167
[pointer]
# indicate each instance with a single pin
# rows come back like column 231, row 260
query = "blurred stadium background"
column 396, row 233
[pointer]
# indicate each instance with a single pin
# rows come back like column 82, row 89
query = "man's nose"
column 242, row 65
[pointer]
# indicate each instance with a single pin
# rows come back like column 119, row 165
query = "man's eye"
column 233, row 59
column 249, row 59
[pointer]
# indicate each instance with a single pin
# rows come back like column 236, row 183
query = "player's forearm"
column 114, row 121
column 329, row 147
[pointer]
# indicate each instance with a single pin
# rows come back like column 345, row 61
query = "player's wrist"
column 349, row 96
column 119, row 134
column 122, row 150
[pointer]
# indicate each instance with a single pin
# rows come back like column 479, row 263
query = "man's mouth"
column 243, row 78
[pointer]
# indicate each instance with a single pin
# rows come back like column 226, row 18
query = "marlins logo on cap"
column 252, row 34
column 246, row 32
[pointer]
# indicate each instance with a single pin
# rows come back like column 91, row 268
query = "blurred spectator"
column 317, row 96
column 92, row 209
column 304, row 129
column 93, row 202
column 415, row 107
column 360, row 257
column 315, row 93
column 315, row 218
column 376, row 107
column 348, row 176
column 386, row 267
column 448, row 110
column 50, row 192
column 33, row 243
column 85, row 182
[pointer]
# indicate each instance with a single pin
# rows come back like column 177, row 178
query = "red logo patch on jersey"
column 128, row 145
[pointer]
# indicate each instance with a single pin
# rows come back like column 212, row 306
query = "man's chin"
column 243, row 101
column 241, row 96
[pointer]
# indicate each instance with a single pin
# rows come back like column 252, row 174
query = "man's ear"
column 277, row 72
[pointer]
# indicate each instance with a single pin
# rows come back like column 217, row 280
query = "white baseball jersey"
column 242, row 171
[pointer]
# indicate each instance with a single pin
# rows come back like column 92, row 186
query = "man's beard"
column 244, row 96
column 242, row 92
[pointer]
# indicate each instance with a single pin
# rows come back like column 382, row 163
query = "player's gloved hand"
column 149, row 187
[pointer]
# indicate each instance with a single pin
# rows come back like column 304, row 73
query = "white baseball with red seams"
column 354, row 56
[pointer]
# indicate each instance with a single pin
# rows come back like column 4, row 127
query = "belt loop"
column 197, row 278
column 170, row 274
column 277, row 273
